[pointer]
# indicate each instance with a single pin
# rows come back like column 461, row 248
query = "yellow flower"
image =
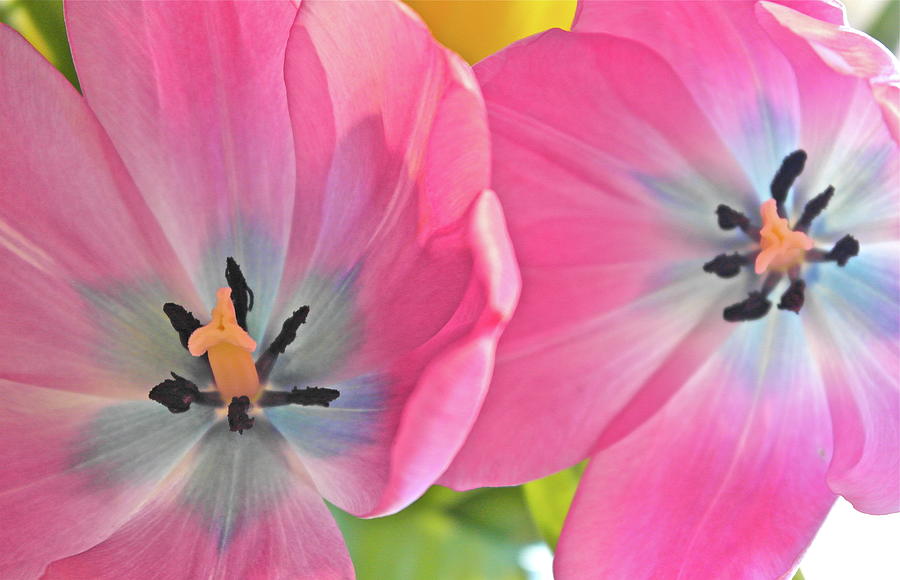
column 16, row 14
column 478, row 28
column 42, row 24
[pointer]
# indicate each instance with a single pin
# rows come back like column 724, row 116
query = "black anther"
column 182, row 321
column 753, row 308
column 791, row 168
column 725, row 265
column 730, row 218
column 241, row 294
column 176, row 394
column 793, row 297
column 287, row 335
column 813, row 208
column 319, row 396
column 843, row 250
column 238, row 420
column 289, row 330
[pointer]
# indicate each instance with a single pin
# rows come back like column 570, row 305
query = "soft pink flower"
column 342, row 159
column 716, row 447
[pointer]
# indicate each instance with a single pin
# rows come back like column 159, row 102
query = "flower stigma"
column 782, row 250
column 227, row 347
column 781, row 247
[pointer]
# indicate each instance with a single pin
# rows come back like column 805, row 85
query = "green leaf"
column 445, row 535
column 549, row 499
column 41, row 23
column 798, row 575
column 886, row 27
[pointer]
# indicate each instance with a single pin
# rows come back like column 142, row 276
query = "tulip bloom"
column 704, row 200
column 312, row 184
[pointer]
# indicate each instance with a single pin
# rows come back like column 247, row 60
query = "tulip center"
column 781, row 250
column 227, row 347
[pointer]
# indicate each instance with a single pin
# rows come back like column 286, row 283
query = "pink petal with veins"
column 597, row 223
column 71, row 226
column 840, row 72
column 76, row 467
column 192, row 95
column 393, row 207
column 726, row 481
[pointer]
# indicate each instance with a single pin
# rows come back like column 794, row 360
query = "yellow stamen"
column 781, row 247
column 229, row 347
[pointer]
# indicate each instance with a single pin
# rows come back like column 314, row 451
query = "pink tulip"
column 340, row 157
column 721, row 416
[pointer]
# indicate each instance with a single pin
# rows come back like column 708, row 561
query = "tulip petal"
column 854, row 313
column 390, row 433
column 726, row 481
column 379, row 134
column 77, row 466
column 383, row 174
column 846, row 124
column 397, row 248
column 718, row 50
column 601, row 252
column 86, row 266
column 841, row 47
column 192, row 95
column 854, row 329
column 237, row 507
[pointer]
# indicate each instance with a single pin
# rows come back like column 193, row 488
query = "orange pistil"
column 229, row 347
column 781, row 247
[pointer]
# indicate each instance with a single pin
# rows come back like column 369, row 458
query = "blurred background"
column 509, row 533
